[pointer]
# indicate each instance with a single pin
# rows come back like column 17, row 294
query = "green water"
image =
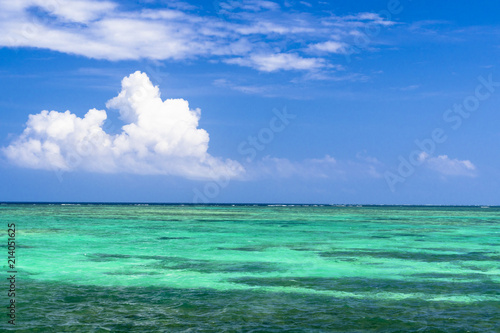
column 167, row 268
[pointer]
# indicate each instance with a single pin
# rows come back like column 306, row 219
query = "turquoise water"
column 175, row 268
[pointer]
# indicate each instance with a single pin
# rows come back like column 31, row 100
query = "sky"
column 253, row 101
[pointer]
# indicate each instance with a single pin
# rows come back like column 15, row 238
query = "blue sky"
column 370, row 102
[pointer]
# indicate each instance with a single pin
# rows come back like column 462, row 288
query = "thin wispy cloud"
column 246, row 89
column 262, row 35
column 408, row 88
column 327, row 168
column 231, row 6
column 280, row 61
column 330, row 47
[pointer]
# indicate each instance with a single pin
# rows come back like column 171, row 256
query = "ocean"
column 251, row 268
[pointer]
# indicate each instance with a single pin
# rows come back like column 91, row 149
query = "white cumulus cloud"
column 160, row 137
column 447, row 166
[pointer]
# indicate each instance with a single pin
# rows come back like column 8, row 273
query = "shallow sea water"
column 175, row 268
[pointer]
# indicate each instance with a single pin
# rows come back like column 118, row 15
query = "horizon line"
column 234, row 204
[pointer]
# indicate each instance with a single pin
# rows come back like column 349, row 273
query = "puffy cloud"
column 160, row 137
column 447, row 166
